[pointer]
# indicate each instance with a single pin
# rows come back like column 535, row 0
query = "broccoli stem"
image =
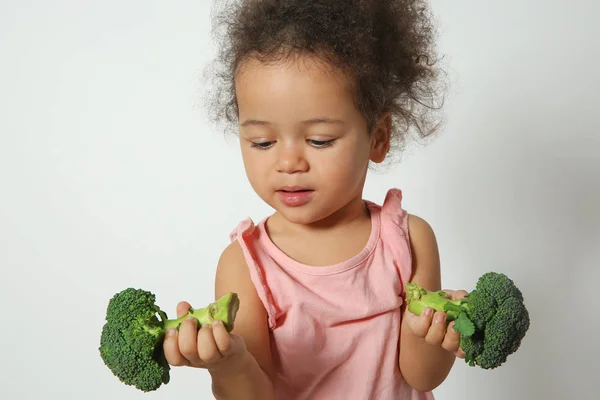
column 419, row 299
column 224, row 310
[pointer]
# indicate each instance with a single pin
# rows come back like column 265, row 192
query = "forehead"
column 302, row 85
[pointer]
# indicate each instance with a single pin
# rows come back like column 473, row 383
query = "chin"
column 304, row 215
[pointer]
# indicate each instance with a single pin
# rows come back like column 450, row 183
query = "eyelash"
column 319, row 144
column 262, row 145
column 322, row 143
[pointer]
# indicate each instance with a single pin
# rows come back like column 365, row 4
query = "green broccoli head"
column 503, row 334
column 492, row 319
column 132, row 337
column 491, row 290
column 131, row 344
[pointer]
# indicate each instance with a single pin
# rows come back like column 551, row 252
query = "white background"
column 110, row 176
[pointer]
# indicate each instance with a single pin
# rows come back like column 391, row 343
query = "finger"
column 188, row 332
column 223, row 340
column 171, row 349
column 451, row 339
column 459, row 294
column 459, row 353
column 183, row 308
column 456, row 294
column 420, row 326
column 207, row 348
column 437, row 330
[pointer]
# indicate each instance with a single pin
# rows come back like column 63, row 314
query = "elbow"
column 425, row 379
column 422, row 386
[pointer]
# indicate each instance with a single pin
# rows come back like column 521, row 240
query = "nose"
column 291, row 159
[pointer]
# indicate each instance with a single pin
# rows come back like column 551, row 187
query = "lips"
column 295, row 196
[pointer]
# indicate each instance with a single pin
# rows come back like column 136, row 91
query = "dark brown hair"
column 386, row 48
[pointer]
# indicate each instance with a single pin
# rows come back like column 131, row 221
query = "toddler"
column 320, row 90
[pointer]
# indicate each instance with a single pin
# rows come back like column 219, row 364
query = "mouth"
column 295, row 196
column 294, row 189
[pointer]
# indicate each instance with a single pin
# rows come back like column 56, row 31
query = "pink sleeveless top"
column 335, row 329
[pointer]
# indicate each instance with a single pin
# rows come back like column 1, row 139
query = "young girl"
column 320, row 89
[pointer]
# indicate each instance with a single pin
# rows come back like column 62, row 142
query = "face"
column 305, row 145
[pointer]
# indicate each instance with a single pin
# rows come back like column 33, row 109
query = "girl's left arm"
column 427, row 349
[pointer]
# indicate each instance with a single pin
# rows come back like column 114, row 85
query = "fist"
column 210, row 347
column 431, row 326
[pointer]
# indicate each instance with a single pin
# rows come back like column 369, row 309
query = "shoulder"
column 421, row 233
column 232, row 257
column 232, row 261
column 233, row 274
column 425, row 253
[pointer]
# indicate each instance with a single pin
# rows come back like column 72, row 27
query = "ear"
column 380, row 138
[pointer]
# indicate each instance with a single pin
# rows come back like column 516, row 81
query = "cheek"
column 254, row 165
column 348, row 170
column 249, row 158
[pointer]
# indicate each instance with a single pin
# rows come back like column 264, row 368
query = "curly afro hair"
column 385, row 47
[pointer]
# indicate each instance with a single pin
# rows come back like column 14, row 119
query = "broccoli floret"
column 492, row 319
column 132, row 337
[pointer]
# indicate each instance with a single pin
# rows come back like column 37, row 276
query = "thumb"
column 182, row 308
column 239, row 345
column 456, row 294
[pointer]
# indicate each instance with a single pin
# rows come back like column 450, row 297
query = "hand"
column 431, row 326
column 210, row 347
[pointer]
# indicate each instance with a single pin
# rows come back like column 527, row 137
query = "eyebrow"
column 312, row 121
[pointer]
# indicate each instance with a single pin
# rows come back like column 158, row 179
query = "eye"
column 262, row 145
column 321, row 143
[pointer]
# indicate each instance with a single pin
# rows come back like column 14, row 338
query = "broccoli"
column 492, row 320
column 132, row 337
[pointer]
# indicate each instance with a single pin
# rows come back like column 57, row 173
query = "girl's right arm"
column 251, row 380
column 239, row 363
